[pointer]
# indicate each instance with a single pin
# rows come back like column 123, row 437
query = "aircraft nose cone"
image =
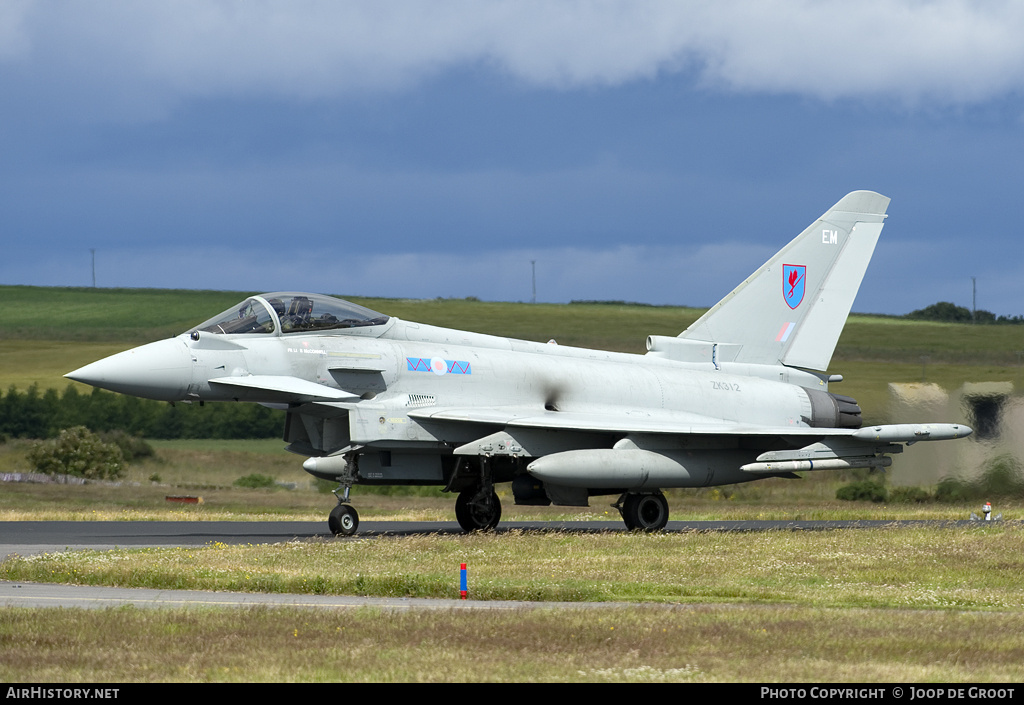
column 160, row 370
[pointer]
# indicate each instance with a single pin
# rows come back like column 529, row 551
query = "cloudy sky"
column 645, row 151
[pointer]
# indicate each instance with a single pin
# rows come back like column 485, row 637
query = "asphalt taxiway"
column 31, row 537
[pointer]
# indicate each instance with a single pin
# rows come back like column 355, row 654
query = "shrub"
column 954, row 491
column 863, row 491
column 79, row 452
column 255, row 481
column 132, row 447
column 1003, row 477
column 909, row 495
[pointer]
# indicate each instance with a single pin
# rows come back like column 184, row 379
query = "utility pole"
column 533, row 267
column 974, row 299
column 93, row 251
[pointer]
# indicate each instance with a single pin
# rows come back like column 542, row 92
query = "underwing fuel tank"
column 636, row 469
column 327, row 467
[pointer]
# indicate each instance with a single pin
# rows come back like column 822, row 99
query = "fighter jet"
column 741, row 394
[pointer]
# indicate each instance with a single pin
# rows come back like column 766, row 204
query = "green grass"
column 134, row 316
column 105, row 315
column 867, row 606
column 975, row 568
column 896, row 339
column 45, row 362
column 698, row 644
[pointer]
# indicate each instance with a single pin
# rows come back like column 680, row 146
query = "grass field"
column 863, row 606
column 686, row 644
column 974, row 568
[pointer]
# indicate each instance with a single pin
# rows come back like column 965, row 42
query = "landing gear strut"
column 643, row 512
column 477, row 508
column 344, row 519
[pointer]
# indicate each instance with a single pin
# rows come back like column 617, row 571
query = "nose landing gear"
column 343, row 520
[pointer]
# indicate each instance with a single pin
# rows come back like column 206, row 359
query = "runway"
column 30, row 537
column 34, row 537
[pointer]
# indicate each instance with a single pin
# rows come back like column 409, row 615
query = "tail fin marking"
column 792, row 310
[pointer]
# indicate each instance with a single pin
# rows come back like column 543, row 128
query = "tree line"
column 35, row 414
column 951, row 313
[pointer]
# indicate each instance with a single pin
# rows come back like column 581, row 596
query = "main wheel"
column 645, row 512
column 478, row 510
column 343, row 520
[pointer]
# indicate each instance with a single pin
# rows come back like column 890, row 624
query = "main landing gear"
column 477, row 506
column 478, row 509
column 643, row 512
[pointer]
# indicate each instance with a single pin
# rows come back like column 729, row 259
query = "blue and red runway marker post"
column 462, row 582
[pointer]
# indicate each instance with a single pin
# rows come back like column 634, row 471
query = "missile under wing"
column 741, row 394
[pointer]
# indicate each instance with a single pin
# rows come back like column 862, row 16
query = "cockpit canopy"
column 291, row 312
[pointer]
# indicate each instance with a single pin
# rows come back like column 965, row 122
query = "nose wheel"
column 343, row 520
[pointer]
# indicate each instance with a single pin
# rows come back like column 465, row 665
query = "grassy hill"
column 48, row 331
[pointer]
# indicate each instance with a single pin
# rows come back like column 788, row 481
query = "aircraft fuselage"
column 741, row 394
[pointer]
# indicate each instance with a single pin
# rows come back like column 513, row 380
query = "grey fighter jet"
column 741, row 394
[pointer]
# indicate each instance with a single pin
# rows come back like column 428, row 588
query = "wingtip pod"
column 913, row 432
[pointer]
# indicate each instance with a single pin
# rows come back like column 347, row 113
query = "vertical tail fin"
column 792, row 310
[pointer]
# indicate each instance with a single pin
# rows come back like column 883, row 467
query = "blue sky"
column 645, row 151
